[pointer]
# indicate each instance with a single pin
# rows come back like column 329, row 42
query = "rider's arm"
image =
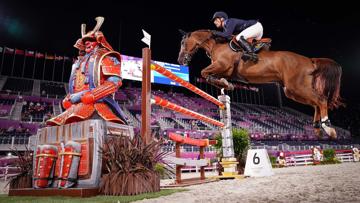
column 228, row 30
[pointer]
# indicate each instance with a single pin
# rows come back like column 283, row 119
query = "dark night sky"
column 327, row 29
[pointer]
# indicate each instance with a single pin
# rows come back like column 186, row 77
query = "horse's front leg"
column 212, row 73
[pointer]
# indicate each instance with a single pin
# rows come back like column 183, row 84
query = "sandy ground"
column 326, row 183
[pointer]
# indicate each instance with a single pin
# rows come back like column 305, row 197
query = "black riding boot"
column 248, row 51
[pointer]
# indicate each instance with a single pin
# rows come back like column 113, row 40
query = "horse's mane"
column 218, row 39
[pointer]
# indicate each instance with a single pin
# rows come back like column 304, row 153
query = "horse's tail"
column 327, row 79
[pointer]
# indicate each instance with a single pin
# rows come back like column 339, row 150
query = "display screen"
column 131, row 69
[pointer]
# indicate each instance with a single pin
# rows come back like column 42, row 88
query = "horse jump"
column 223, row 102
column 180, row 162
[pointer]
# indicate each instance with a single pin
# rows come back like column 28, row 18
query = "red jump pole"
column 187, row 85
column 169, row 105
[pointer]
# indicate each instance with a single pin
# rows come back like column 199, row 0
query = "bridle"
column 188, row 56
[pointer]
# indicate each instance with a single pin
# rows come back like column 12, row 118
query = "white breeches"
column 254, row 31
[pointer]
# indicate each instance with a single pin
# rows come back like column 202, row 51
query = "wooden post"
column 146, row 96
column 178, row 167
column 202, row 169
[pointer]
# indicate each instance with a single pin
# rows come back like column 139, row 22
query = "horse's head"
column 190, row 43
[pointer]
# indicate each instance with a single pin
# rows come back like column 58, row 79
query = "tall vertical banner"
column 258, row 163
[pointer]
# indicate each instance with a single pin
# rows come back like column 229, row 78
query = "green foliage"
column 241, row 142
column 329, row 154
column 273, row 161
column 218, row 144
column 329, row 157
column 160, row 169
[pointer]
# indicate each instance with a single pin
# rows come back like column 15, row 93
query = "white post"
column 226, row 133
column 229, row 161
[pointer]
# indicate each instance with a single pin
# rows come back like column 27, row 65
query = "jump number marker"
column 256, row 159
column 258, row 163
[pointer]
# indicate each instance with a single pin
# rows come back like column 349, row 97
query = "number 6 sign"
column 256, row 159
column 258, row 163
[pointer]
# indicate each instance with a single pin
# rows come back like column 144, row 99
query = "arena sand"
column 323, row 183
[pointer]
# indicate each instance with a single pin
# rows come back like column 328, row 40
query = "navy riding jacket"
column 234, row 26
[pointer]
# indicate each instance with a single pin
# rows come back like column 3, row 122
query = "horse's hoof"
column 318, row 132
column 224, row 81
column 230, row 87
column 332, row 134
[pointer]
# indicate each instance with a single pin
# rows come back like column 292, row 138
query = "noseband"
column 188, row 56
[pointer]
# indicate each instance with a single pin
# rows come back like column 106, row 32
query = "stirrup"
column 233, row 44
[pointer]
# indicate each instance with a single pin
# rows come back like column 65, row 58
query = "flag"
column 39, row 55
column 147, row 38
column 9, row 50
column 29, row 53
column 49, row 56
column 19, row 52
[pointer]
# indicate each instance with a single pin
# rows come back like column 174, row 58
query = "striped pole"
column 187, row 85
column 169, row 105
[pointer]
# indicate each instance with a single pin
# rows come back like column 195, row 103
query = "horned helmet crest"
column 94, row 34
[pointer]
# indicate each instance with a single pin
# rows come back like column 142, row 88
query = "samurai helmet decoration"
column 94, row 35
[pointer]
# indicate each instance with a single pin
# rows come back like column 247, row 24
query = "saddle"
column 257, row 45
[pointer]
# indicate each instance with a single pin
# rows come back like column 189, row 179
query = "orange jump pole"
column 187, row 85
column 169, row 105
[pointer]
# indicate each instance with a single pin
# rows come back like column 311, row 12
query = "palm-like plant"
column 130, row 166
column 24, row 163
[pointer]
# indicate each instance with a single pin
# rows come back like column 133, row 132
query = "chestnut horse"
column 310, row 81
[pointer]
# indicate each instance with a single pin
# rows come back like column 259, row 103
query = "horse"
column 310, row 81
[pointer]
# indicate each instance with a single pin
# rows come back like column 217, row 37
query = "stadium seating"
column 52, row 89
column 268, row 125
column 36, row 112
column 18, row 86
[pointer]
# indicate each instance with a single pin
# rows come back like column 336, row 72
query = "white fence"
column 307, row 159
column 345, row 157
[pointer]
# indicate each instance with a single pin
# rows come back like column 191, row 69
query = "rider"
column 244, row 29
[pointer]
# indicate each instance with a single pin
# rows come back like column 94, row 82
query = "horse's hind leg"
column 317, row 121
column 318, row 104
column 325, row 122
